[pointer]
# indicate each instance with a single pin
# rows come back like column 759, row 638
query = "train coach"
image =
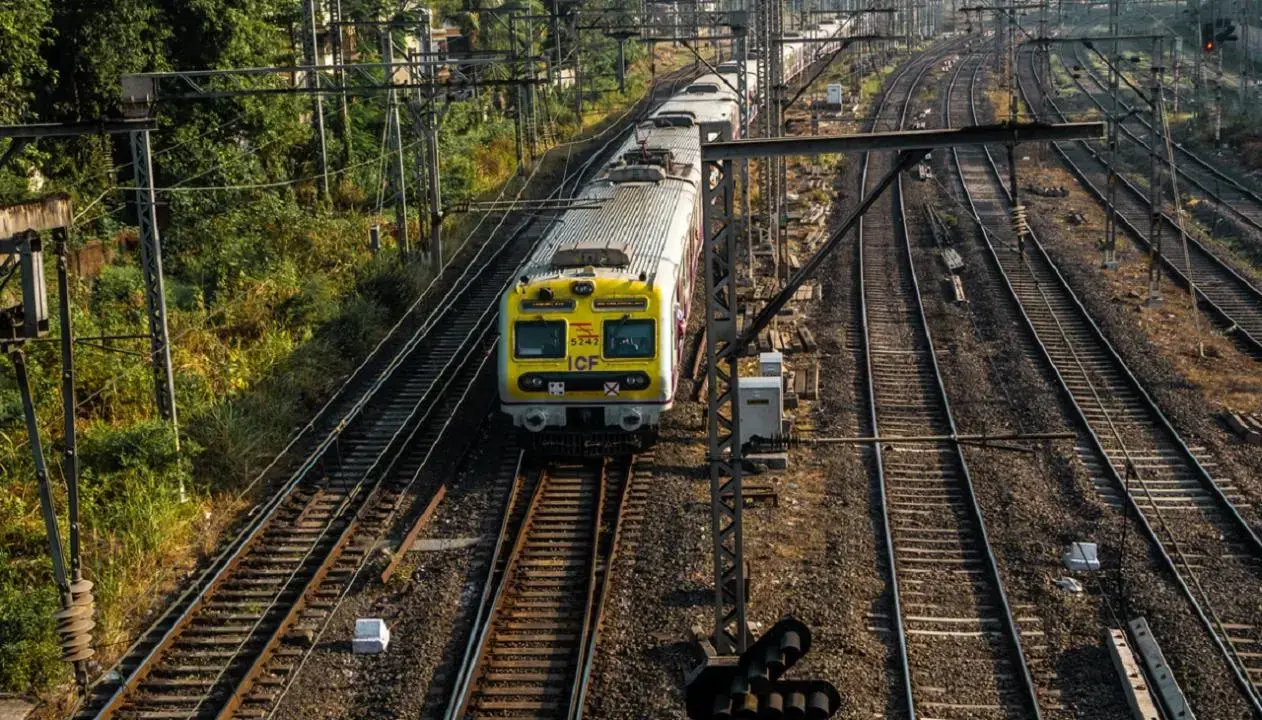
column 592, row 334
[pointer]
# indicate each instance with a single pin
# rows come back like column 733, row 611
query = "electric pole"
column 395, row 132
column 337, row 33
column 1109, row 252
column 1155, row 185
column 431, row 146
column 312, row 41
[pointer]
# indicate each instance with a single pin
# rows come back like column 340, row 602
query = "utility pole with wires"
column 1156, row 187
column 770, row 82
column 337, row 33
column 394, row 134
column 142, row 92
column 430, row 119
column 137, row 128
column 21, row 247
column 577, row 51
column 1018, row 210
column 1108, row 252
column 311, row 43
column 155, row 289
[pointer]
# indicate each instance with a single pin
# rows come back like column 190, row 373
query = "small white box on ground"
column 371, row 636
column 834, row 94
column 771, row 364
column 1081, row 556
column 761, row 407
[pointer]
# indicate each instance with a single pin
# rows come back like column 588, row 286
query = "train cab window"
column 629, row 338
column 539, row 339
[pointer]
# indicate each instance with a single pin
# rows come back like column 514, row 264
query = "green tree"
column 97, row 42
column 24, row 30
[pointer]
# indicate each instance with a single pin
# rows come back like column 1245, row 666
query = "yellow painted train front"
column 587, row 360
column 591, row 335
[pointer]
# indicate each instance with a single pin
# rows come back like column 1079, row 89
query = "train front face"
column 585, row 362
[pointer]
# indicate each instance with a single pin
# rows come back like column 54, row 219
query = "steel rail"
column 1246, row 317
column 557, row 501
column 352, row 503
column 1208, row 167
column 591, row 612
column 1218, row 176
column 451, row 398
column 491, row 589
column 1163, row 422
column 1059, row 284
column 385, row 523
column 379, row 487
column 236, row 552
column 482, row 629
column 942, row 412
column 186, row 605
column 586, row 662
column 263, row 513
column 900, row 631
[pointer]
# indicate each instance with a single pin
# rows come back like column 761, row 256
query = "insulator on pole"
column 75, row 623
column 1020, row 226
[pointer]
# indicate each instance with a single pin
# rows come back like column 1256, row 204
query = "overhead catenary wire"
column 267, row 185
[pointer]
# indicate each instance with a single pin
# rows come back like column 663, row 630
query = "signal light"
column 1207, row 37
column 751, row 685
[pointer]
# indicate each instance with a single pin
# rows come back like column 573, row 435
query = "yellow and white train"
column 592, row 336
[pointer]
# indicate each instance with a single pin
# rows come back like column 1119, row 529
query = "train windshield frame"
column 628, row 339
column 539, row 339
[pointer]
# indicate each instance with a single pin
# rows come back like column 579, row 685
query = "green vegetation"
column 273, row 294
column 872, row 83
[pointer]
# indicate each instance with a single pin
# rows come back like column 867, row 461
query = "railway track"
column 532, row 645
column 204, row 658
column 1223, row 190
column 227, row 645
column 1133, row 454
column 957, row 642
column 1232, row 298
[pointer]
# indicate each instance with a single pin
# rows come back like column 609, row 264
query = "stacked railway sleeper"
column 220, row 648
column 1136, row 458
column 957, row 643
column 1218, row 187
column 533, row 642
column 1232, row 297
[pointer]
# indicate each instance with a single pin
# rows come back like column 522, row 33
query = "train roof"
column 710, row 85
column 639, row 214
column 701, row 109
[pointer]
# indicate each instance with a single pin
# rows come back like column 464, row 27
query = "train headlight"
column 582, row 288
column 531, row 382
column 631, row 420
column 636, row 381
column 535, row 420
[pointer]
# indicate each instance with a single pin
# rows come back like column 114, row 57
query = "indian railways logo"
column 584, row 331
column 612, row 389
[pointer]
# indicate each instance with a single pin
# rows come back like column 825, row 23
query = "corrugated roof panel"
column 651, row 220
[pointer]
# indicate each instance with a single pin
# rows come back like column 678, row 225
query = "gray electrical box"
column 761, row 407
column 771, row 364
column 835, row 96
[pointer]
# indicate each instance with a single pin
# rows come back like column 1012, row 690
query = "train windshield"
column 629, row 338
column 539, row 339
